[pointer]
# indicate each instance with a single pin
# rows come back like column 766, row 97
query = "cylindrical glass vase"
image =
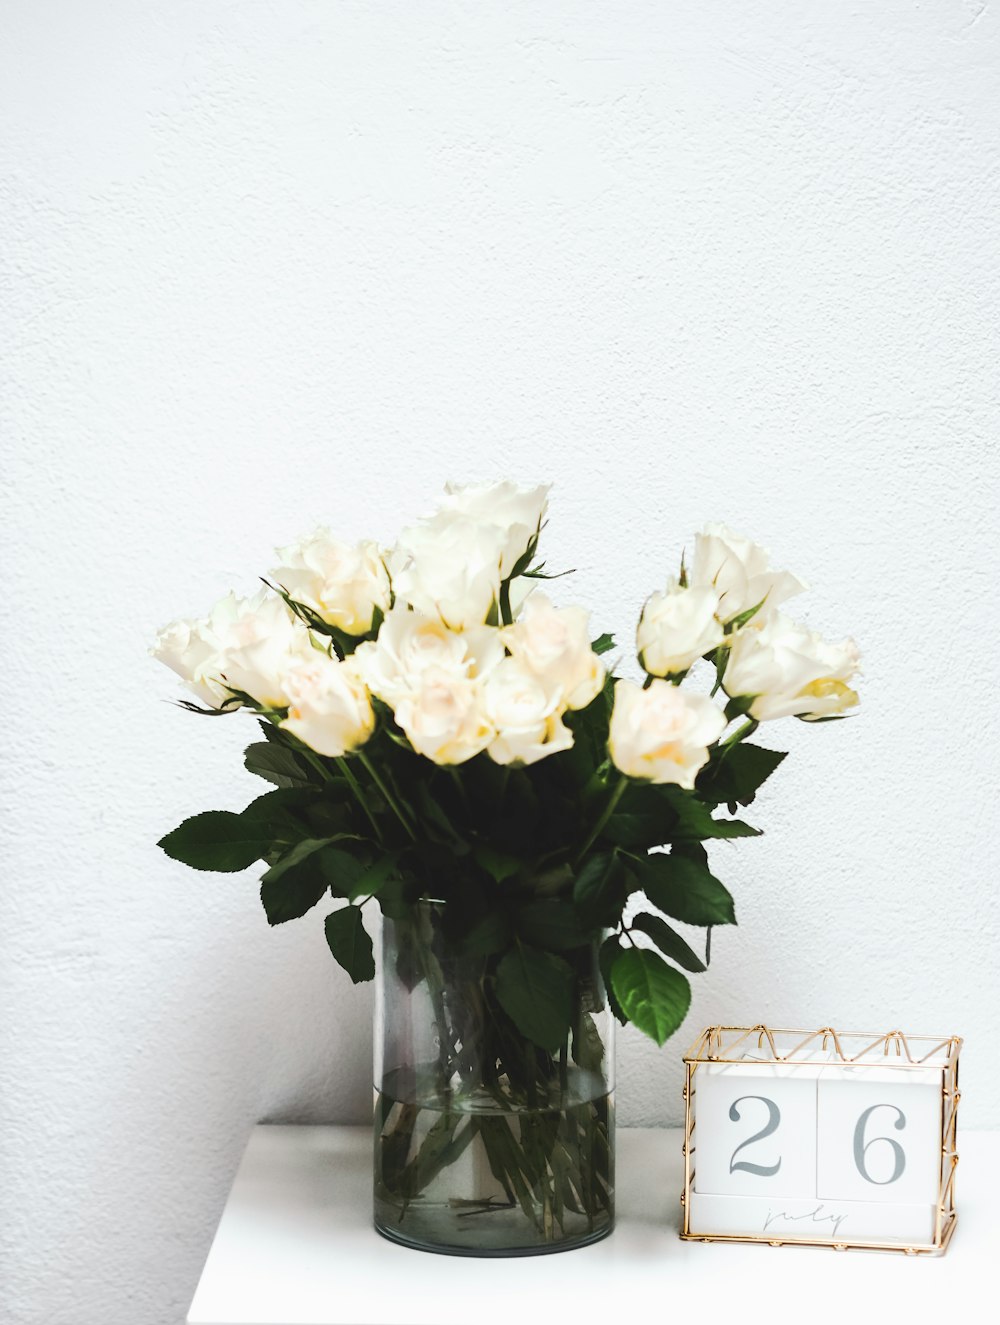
column 486, row 1144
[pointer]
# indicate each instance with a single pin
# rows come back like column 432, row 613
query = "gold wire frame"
column 717, row 1044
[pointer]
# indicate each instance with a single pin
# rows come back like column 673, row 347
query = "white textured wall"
column 265, row 263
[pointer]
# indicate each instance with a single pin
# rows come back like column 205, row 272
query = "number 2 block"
column 756, row 1130
column 879, row 1138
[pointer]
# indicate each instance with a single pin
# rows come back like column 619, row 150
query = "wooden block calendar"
column 821, row 1137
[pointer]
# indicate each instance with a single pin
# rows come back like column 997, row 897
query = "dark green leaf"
column 488, row 935
column 371, row 882
column 668, row 941
column 693, row 820
column 280, row 764
column 604, row 643
column 551, row 923
column 736, row 774
column 610, row 949
column 299, row 879
column 498, row 864
column 291, row 894
column 293, row 858
column 685, row 889
column 284, row 810
column 340, row 869
column 652, row 994
column 351, row 943
column 218, row 840
column 535, row 989
column 599, row 890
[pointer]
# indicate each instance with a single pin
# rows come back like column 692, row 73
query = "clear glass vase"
column 486, row 1144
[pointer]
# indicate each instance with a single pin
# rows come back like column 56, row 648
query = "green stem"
column 506, row 615
column 603, row 818
column 740, row 734
column 359, row 795
column 390, row 800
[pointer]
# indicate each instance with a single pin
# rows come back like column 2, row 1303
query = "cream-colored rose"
column 259, row 640
column 188, row 649
column 443, row 718
column 554, row 643
column 526, row 714
column 677, row 628
column 516, row 512
column 740, row 571
column 343, row 583
column 791, row 671
column 329, row 707
column 662, row 733
column 410, row 643
column 449, row 567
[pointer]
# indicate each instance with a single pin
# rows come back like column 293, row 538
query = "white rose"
column 329, row 706
column 259, row 640
column 516, row 512
column 662, row 733
column 677, row 628
column 410, row 643
column 443, row 719
column 791, row 671
column 526, row 714
column 343, row 584
column 740, row 571
column 188, row 649
column 554, row 643
column 449, row 567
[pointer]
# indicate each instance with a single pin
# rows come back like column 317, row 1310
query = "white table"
column 295, row 1246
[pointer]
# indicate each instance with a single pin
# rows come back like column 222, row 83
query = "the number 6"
column 861, row 1147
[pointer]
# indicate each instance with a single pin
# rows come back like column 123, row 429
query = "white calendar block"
column 805, row 1219
column 879, row 1136
column 756, row 1130
column 821, row 1137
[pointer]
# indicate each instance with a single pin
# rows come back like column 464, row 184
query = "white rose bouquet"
column 434, row 727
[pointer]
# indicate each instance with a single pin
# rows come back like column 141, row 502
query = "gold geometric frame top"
column 792, row 1048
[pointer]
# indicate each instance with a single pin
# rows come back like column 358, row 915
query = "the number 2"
column 773, row 1119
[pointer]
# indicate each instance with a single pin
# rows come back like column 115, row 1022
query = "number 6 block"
column 821, row 1138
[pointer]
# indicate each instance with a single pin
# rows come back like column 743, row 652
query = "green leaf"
column 371, row 882
column 351, row 943
column 283, row 810
column 668, row 941
column 488, row 935
column 686, row 889
column 535, row 989
column 599, row 890
column 498, row 864
column 610, row 949
column 218, row 840
column 604, row 643
column 297, row 881
column 340, row 869
column 737, row 773
column 551, row 923
column 279, row 764
column 652, row 994
column 293, row 858
column 694, row 822
column 292, row 895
